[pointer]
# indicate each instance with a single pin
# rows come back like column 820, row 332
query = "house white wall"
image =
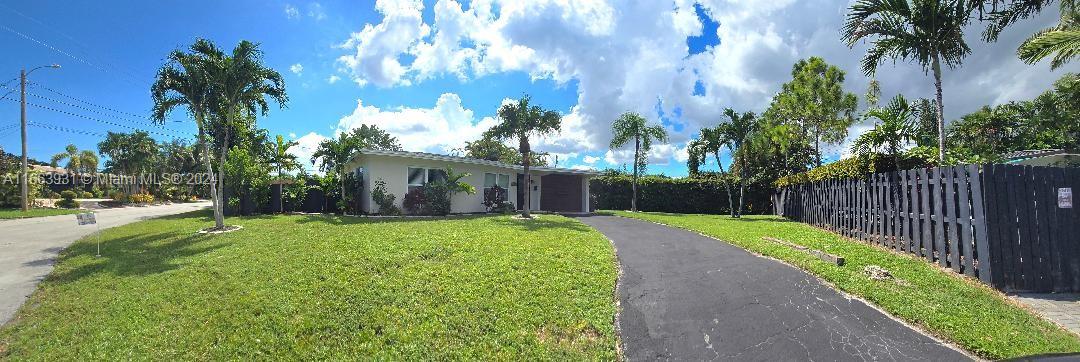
column 394, row 171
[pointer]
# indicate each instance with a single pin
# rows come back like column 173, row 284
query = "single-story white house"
column 554, row 189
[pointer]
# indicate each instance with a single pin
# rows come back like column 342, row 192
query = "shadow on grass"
column 331, row 219
column 142, row 254
column 539, row 224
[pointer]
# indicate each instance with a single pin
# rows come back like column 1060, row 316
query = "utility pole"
column 25, row 176
column 25, row 179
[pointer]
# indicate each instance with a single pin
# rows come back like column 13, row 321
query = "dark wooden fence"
column 998, row 223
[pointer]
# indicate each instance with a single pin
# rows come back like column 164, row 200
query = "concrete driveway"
column 688, row 297
column 28, row 247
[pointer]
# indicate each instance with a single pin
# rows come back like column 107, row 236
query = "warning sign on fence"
column 1065, row 198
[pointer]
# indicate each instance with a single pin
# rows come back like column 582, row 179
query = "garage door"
column 561, row 193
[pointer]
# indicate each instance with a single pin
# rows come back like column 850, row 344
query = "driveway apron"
column 688, row 297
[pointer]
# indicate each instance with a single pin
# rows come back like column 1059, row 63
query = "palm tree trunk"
column 727, row 185
column 219, row 216
column 221, row 176
column 742, row 186
column 940, row 110
column 637, row 157
column 526, row 160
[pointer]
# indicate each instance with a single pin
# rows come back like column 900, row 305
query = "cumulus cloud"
column 440, row 129
column 590, row 159
column 297, row 69
column 305, row 147
column 333, row 79
column 633, row 56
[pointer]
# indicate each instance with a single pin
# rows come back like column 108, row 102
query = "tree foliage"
column 815, row 104
column 521, row 120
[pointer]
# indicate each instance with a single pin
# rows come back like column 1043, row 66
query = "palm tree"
column 332, row 156
column 897, row 127
column 521, row 120
column 738, row 132
column 241, row 85
column 185, row 80
column 1062, row 41
column 280, row 156
column 77, row 162
column 927, row 31
column 713, row 141
column 631, row 126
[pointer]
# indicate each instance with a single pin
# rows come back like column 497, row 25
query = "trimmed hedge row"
column 675, row 195
column 854, row 167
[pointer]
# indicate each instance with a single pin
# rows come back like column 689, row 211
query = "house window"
column 496, row 186
column 436, row 175
column 417, row 177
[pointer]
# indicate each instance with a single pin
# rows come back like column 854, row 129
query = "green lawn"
column 959, row 310
column 19, row 214
column 315, row 287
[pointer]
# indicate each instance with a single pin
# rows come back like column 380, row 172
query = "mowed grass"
column 6, row 214
column 320, row 287
column 969, row 314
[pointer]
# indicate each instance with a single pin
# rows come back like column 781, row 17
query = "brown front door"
column 561, row 193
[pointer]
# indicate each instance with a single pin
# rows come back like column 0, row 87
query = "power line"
column 69, row 55
column 91, row 103
column 148, row 122
column 85, row 49
column 64, row 129
column 102, row 121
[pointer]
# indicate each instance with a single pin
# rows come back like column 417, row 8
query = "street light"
column 25, row 179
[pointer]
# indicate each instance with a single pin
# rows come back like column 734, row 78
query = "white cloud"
column 333, row 79
column 378, row 47
column 439, row 129
column 590, row 159
column 633, row 56
column 291, row 12
column 297, row 69
column 306, row 147
column 292, row 135
column 583, row 167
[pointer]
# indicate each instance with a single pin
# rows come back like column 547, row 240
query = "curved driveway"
column 688, row 297
column 28, row 247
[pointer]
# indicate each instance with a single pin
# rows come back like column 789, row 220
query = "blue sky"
column 434, row 73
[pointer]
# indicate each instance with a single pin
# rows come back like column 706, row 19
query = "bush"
column 858, row 167
column 437, row 195
column 414, row 201
column 384, row 199
column 613, row 191
column 119, row 197
column 142, row 198
column 86, row 195
column 67, row 200
column 495, row 199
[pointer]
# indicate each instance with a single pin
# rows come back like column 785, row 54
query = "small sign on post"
column 1065, row 198
column 90, row 218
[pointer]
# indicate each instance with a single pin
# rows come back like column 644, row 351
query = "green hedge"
column 855, row 167
column 676, row 195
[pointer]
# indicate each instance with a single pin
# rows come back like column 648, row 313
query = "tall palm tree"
column 930, row 32
column 897, row 128
column 1061, row 41
column 280, row 156
column 241, row 86
column 738, row 133
column 713, row 141
column 78, row 163
column 186, row 81
column 521, row 120
column 632, row 126
column 333, row 154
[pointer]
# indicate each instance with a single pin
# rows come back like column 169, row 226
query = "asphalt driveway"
column 688, row 297
column 28, row 247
